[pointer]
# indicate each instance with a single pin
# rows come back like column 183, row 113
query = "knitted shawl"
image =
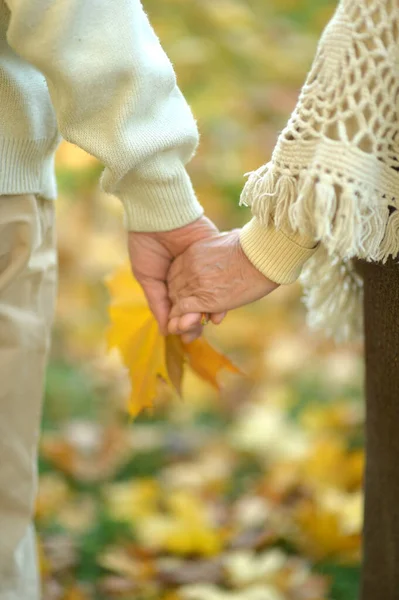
column 334, row 173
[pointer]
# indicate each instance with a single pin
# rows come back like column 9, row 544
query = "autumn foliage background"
column 251, row 495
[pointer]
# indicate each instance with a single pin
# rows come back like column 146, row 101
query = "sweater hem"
column 27, row 167
column 154, row 203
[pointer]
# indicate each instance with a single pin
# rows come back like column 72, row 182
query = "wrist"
column 280, row 258
column 247, row 266
column 178, row 240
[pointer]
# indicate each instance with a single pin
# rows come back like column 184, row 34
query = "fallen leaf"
column 253, row 539
column 183, row 528
column 61, row 552
column 52, row 496
column 321, row 534
column 75, row 593
column 117, row 586
column 191, row 571
column 118, row 561
column 86, row 452
column 44, row 563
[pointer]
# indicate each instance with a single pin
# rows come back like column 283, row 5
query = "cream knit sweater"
column 94, row 72
column 334, row 174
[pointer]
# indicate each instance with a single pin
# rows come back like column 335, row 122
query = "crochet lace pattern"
column 334, row 173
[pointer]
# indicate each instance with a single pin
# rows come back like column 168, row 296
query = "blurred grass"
column 240, row 64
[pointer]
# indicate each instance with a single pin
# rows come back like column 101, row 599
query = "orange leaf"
column 75, row 593
column 207, row 362
column 175, row 359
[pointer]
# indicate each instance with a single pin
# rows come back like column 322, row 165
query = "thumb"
column 156, row 293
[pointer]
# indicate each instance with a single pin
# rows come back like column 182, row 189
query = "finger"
column 184, row 324
column 177, row 285
column 175, row 268
column 217, row 318
column 194, row 334
column 191, row 304
column 159, row 303
column 189, row 322
column 173, row 326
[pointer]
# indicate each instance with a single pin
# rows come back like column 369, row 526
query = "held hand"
column 212, row 276
column 151, row 255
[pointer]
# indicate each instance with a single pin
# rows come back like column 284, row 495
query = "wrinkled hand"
column 213, row 275
column 151, row 255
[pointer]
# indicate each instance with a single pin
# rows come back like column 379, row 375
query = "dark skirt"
column 380, row 576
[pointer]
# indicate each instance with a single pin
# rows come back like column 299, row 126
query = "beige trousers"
column 27, row 291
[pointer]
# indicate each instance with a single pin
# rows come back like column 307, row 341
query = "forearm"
column 115, row 95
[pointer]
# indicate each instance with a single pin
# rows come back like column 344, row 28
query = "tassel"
column 390, row 243
column 286, row 191
column 333, row 296
column 252, row 188
column 325, row 208
column 301, row 212
column 345, row 240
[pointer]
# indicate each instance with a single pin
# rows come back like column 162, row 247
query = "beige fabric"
column 27, row 290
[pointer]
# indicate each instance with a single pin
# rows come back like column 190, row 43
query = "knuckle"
column 192, row 258
column 185, row 305
column 173, row 296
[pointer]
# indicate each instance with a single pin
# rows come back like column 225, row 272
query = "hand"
column 213, row 275
column 151, row 255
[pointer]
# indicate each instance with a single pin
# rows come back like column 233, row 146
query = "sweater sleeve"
column 333, row 178
column 115, row 95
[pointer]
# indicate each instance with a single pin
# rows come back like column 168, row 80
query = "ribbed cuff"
column 278, row 257
column 27, row 167
column 156, row 205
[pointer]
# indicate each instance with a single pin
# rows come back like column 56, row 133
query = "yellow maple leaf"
column 191, row 530
column 44, row 564
column 132, row 500
column 148, row 355
column 183, row 528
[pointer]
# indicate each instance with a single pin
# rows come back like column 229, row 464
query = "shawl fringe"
column 349, row 220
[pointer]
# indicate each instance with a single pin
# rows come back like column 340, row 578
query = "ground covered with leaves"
column 250, row 494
